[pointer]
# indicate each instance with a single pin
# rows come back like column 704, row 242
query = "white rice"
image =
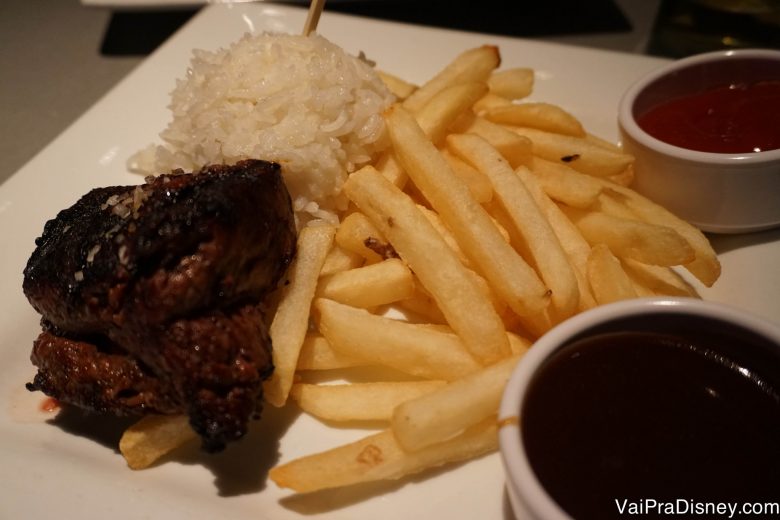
column 300, row 101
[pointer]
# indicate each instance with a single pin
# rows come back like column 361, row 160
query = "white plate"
column 66, row 469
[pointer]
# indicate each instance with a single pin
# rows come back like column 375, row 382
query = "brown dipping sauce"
column 625, row 415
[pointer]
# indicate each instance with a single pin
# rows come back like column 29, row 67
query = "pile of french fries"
column 488, row 221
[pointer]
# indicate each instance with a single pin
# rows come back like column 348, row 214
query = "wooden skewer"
column 315, row 10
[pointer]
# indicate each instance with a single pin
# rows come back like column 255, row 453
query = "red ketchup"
column 735, row 118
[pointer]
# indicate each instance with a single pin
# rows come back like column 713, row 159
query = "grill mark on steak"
column 170, row 277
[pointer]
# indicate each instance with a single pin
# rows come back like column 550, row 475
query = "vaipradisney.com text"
column 682, row 506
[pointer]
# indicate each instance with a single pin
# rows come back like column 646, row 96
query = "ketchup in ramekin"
column 732, row 118
column 705, row 135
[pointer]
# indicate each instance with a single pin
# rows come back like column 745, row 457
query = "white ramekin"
column 717, row 192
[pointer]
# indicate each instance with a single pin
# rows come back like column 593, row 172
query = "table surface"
column 53, row 68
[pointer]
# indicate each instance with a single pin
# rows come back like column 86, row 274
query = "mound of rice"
column 298, row 100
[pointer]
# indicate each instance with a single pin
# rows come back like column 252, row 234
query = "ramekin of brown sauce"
column 705, row 132
column 640, row 403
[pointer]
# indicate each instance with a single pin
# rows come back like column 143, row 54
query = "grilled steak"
column 152, row 296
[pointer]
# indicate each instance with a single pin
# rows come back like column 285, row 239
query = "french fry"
column 513, row 84
column 317, row 354
column 624, row 178
column 662, row 280
column 376, row 284
column 445, row 233
column 438, row 114
column 433, row 262
column 565, row 184
column 380, row 457
column 443, row 109
column 478, row 184
column 573, row 243
column 543, row 116
column 516, row 149
column 506, row 272
column 537, row 234
column 705, row 266
column 472, row 65
column 599, row 141
column 609, row 281
column 488, row 101
column 388, row 166
column 443, row 413
column 400, row 88
column 423, row 305
column 647, row 243
column 580, row 154
column 610, row 202
column 153, row 437
column 354, row 231
column 641, row 289
column 339, row 259
column 359, row 401
column 410, row 348
column 518, row 343
column 291, row 320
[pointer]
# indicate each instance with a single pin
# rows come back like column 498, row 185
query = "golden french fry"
column 389, row 166
column 478, row 184
column 317, row 354
column 432, row 260
column 489, row 101
column 339, row 259
column 642, row 290
column 513, row 84
column 410, row 348
column 423, row 305
column 506, row 272
column 445, row 233
column 443, row 413
column 291, row 320
column 473, row 65
column 380, row 457
column 441, row 111
column 153, row 437
column 357, row 233
column 647, row 243
column 539, row 238
column 705, row 266
column 659, row 279
column 610, row 202
column 400, row 88
column 544, row 116
column 565, row 184
column 624, row 178
column 438, row 114
column 373, row 401
column 573, row 243
column 516, row 149
column 518, row 344
column 580, row 154
column 599, row 141
column 376, row 284
column 608, row 280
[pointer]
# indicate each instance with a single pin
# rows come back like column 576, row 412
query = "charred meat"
column 152, row 296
